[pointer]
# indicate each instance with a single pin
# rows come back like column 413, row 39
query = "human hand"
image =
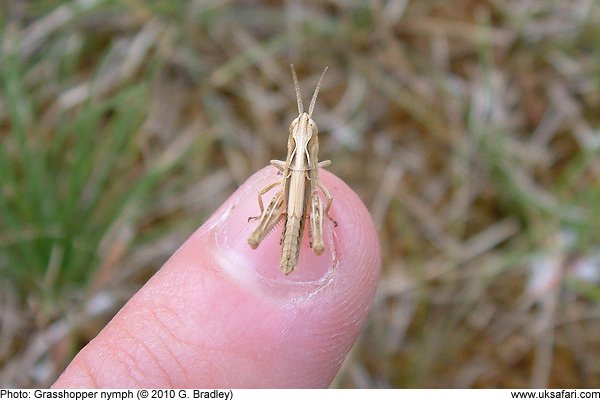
column 219, row 314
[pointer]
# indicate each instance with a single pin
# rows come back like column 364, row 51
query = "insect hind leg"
column 316, row 223
column 269, row 218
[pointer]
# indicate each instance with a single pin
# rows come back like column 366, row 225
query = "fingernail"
column 260, row 267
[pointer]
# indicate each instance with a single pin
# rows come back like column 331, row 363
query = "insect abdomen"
column 291, row 245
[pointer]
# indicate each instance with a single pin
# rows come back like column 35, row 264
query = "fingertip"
column 329, row 294
column 220, row 314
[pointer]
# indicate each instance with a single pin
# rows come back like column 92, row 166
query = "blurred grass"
column 469, row 128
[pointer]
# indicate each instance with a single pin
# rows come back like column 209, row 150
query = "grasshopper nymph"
column 297, row 197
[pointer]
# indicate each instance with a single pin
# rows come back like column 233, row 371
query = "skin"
column 219, row 314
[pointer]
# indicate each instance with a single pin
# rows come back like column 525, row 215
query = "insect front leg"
column 280, row 165
column 269, row 218
column 260, row 195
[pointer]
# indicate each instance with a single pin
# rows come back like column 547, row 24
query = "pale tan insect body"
column 298, row 194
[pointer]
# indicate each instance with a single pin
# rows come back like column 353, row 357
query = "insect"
column 297, row 197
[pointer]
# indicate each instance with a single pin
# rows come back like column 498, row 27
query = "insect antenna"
column 297, row 87
column 314, row 98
